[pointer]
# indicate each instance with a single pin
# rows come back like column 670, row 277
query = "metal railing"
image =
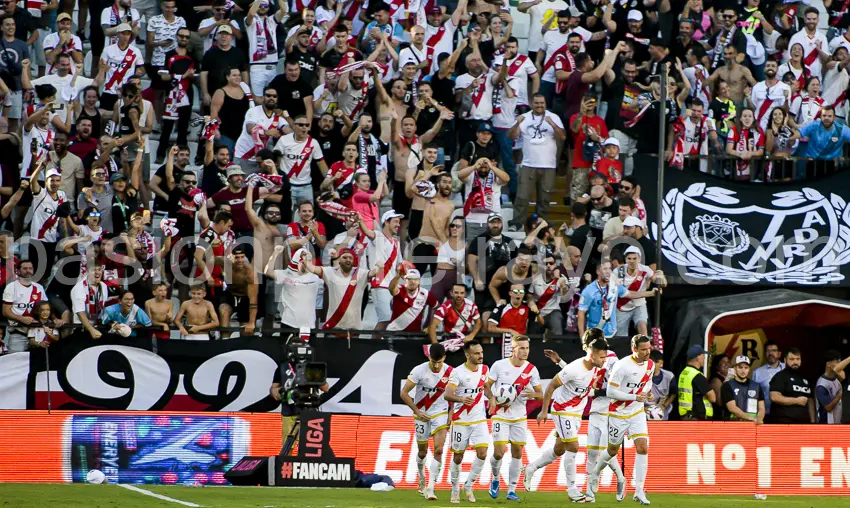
column 771, row 169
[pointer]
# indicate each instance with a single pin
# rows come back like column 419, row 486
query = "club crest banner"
column 720, row 231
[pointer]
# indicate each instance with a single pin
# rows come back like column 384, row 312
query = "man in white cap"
column 387, row 257
column 299, row 289
column 346, row 287
column 409, row 302
column 118, row 63
column 640, row 31
column 742, row 398
column 635, row 277
column 634, row 228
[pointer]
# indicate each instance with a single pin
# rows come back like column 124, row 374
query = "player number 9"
column 495, row 427
column 567, row 424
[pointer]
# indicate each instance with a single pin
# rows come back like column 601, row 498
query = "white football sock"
column 641, row 464
column 513, row 473
column 496, row 466
column 614, row 464
column 602, row 461
column 592, row 457
column 454, row 474
column 544, row 460
column 570, row 469
column 436, row 467
column 420, row 465
column 474, row 471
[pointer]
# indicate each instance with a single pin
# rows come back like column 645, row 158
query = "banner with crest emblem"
column 725, row 232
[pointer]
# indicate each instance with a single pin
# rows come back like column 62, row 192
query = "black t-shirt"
column 216, row 61
column 581, row 235
column 309, row 62
column 487, row 50
column 290, row 96
column 96, row 122
column 214, row 179
column 622, row 95
column 332, row 144
column 790, row 383
column 473, row 151
column 729, row 391
column 182, row 207
column 330, row 59
column 719, row 111
column 498, row 252
column 67, row 270
column 444, row 90
column 159, row 203
column 426, row 119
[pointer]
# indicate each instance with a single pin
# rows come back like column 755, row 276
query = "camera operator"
column 283, row 394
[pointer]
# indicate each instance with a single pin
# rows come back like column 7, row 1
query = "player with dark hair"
column 467, row 389
column 569, row 391
column 430, row 412
column 628, row 388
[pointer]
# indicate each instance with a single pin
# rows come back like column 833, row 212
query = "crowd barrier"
column 143, row 447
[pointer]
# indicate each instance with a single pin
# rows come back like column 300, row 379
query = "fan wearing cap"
column 299, row 288
column 635, row 26
column 695, row 394
column 410, row 302
column 388, row 257
column 742, row 398
column 118, row 63
column 439, row 32
column 636, row 277
column 346, row 287
column 209, row 28
column 126, row 314
column 636, row 229
column 609, row 165
column 44, row 227
column 234, row 195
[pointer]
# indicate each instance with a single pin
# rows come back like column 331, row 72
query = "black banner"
column 721, row 231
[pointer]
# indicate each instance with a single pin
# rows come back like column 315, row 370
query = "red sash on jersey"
column 764, row 108
column 363, row 99
column 575, row 401
column 302, row 162
column 521, row 382
column 429, row 400
column 431, row 43
column 479, row 93
column 634, row 286
column 517, row 64
column 548, row 294
column 388, row 265
column 118, row 75
column 50, row 222
column 468, row 407
column 563, row 50
column 340, row 311
column 650, row 367
column 811, row 57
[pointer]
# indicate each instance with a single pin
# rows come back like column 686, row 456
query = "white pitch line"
column 158, row 496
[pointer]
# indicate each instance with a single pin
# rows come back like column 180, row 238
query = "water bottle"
column 760, row 497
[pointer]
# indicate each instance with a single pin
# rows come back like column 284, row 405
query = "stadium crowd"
column 353, row 152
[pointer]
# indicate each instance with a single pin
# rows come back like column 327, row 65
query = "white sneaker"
column 589, row 497
column 593, row 484
column 621, row 489
column 527, row 476
column 421, row 489
column 455, row 496
column 429, row 495
column 467, row 491
column 640, row 497
column 575, row 495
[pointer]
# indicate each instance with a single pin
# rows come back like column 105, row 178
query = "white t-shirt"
column 426, row 382
column 412, row 54
column 121, row 66
column 551, row 43
column 112, row 16
column 503, row 372
column 570, row 398
column 469, row 384
column 537, row 14
column 259, row 34
column 209, row 40
column 64, row 91
column 44, row 225
column 520, row 68
column 245, row 147
column 482, row 97
column 298, row 297
column 632, row 378
column 50, row 43
column 164, row 31
column 85, row 230
column 45, row 144
column 447, row 254
column 79, row 299
column 338, row 284
column 297, row 157
column 777, row 95
column 539, row 148
column 23, row 299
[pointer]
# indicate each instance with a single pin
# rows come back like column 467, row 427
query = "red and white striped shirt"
column 457, row 322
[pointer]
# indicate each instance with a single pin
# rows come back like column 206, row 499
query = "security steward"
column 695, row 394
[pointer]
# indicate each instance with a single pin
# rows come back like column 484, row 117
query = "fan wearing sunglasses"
column 90, row 231
column 514, row 316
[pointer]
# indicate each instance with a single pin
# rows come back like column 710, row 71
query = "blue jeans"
column 301, row 193
column 547, row 89
column 506, row 147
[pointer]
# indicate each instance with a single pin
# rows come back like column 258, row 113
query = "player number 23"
column 420, row 428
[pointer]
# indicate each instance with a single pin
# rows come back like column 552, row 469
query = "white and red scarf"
column 178, row 96
column 265, row 40
column 480, row 198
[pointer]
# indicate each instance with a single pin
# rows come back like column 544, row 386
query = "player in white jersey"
column 629, row 386
column 597, row 424
column 568, row 393
column 509, row 421
column 430, row 412
column 468, row 390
